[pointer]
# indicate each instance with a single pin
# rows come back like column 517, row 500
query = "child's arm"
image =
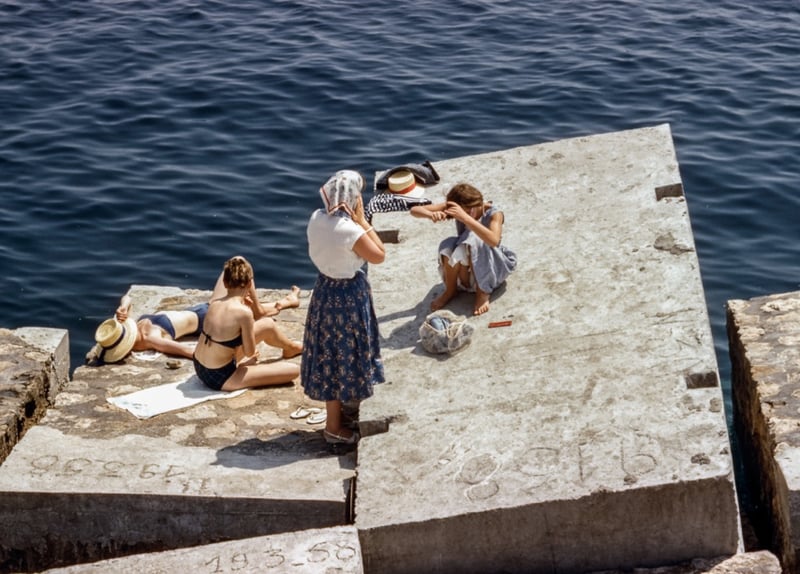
column 490, row 235
column 434, row 212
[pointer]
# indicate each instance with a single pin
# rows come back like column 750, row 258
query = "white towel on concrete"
column 170, row 397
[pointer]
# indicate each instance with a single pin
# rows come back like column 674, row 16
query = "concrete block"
column 91, row 481
column 54, row 342
column 322, row 551
column 34, row 367
column 589, row 433
column 764, row 345
column 760, row 562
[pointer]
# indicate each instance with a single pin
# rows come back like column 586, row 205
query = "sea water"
column 145, row 142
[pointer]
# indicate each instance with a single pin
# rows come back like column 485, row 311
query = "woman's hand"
column 122, row 311
column 357, row 214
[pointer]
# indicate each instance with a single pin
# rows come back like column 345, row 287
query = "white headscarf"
column 342, row 190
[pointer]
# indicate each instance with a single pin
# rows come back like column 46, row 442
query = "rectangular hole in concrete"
column 701, row 380
column 672, row 190
column 389, row 235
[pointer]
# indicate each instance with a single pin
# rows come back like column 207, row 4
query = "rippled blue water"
column 146, row 141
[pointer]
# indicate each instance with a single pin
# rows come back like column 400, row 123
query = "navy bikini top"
column 233, row 343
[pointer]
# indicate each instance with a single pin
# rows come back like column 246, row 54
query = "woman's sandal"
column 317, row 418
column 303, row 412
column 332, row 438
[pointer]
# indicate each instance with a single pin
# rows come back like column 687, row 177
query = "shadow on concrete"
column 258, row 454
column 406, row 335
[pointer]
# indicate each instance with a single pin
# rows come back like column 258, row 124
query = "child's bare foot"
column 290, row 301
column 295, row 349
column 441, row 300
column 481, row 302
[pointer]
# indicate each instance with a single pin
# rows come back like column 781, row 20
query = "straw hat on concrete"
column 115, row 339
column 404, row 183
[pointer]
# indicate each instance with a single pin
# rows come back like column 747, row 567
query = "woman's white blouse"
column 330, row 244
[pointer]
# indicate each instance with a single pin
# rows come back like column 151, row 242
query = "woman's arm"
column 251, row 299
column 369, row 246
column 169, row 347
column 123, row 309
column 247, row 324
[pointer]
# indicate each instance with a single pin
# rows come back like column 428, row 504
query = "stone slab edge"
column 318, row 551
column 764, row 346
column 34, row 367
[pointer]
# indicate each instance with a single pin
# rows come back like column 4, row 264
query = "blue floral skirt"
column 341, row 351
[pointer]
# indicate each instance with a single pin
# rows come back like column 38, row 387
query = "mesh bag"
column 445, row 332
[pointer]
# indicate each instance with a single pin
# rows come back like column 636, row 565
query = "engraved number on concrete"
column 322, row 551
column 43, row 464
column 276, row 557
column 634, row 457
column 236, row 561
column 105, row 469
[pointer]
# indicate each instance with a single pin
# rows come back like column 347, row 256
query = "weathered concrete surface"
column 764, row 345
column 91, row 481
column 34, row 367
column 325, row 551
column 761, row 562
column 589, row 434
column 336, row 550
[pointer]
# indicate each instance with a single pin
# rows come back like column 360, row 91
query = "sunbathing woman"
column 473, row 260
column 226, row 357
column 160, row 331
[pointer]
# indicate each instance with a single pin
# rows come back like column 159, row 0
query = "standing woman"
column 225, row 357
column 341, row 354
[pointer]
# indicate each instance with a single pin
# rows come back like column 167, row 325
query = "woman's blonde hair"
column 237, row 273
column 465, row 195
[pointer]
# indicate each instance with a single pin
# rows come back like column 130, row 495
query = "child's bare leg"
column 481, row 302
column 268, row 331
column 450, row 284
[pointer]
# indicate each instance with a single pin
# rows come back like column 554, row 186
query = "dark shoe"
column 332, row 438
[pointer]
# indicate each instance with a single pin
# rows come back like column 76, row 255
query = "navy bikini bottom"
column 214, row 378
column 162, row 320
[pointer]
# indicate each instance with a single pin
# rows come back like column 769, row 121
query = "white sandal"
column 317, row 418
column 303, row 412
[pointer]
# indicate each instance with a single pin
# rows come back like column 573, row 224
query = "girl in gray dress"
column 473, row 260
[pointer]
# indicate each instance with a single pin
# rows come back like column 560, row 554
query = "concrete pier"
column 764, row 343
column 589, row 433
column 586, row 435
column 92, row 481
